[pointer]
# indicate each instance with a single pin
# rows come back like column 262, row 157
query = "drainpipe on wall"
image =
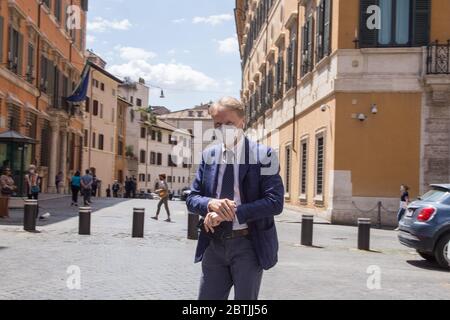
column 297, row 47
column 38, row 49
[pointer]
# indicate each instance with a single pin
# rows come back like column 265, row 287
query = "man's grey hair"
column 229, row 103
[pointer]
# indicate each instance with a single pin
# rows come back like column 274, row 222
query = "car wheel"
column 441, row 252
column 427, row 256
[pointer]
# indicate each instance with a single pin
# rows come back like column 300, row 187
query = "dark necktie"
column 227, row 191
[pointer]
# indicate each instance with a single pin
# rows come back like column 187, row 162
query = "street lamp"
column 162, row 96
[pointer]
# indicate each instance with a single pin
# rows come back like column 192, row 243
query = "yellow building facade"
column 102, row 122
column 41, row 60
column 354, row 95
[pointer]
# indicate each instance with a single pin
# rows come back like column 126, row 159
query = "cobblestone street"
column 160, row 266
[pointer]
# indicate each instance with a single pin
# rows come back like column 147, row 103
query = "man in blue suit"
column 237, row 192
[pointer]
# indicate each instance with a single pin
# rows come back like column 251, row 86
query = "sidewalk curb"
column 18, row 203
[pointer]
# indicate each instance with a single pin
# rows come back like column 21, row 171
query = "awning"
column 13, row 136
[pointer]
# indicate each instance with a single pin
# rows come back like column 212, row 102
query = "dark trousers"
column 228, row 263
column 164, row 201
column 400, row 214
column 87, row 193
column 75, row 191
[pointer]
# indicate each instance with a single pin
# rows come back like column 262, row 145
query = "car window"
column 434, row 195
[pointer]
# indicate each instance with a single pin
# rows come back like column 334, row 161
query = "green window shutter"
column 1, row 39
column 30, row 63
column 310, row 43
column 304, row 48
column 50, row 78
column 10, row 47
column 20, row 55
column 319, row 30
column 367, row 37
column 327, row 27
column 421, row 22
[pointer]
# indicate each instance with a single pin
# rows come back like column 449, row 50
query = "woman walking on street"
column 404, row 202
column 163, row 190
column 32, row 182
column 75, row 184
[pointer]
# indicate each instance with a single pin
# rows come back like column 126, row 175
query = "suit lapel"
column 244, row 166
column 215, row 169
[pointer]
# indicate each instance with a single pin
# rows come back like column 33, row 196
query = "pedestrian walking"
column 116, row 189
column 86, row 187
column 163, row 190
column 237, row 192
column 404, row 202
column 133, row 187
column 95, row 183
column 59, row 181
column 108, row 191
column 128, row 187
column 7, row 188
column 75, row 184
column 33, row 182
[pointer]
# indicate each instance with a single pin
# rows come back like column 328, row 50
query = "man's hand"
column 212, row 220
column 225, row 208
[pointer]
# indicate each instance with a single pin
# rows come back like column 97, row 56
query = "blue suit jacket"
column 262, row 197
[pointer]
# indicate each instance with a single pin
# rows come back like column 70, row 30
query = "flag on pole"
column 80, row 92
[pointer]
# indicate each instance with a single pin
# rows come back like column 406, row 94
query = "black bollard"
column 193, row 220
column 138, row 222
column 364, row 234
column 29, row 215
column 307, row 230
column 84, row 227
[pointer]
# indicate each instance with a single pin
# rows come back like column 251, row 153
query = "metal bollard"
column 193, row 220
column 29, row 215
column 364, row 234
column 307, row 230
column 138, row 222
column 84, row 227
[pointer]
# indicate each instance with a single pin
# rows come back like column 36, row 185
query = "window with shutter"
column 402, row 23
column 20, row 54
column 421, row 26
column 15, row 51
column 30, row 64
column 310, row 54
column 319, row 30
column 367, row 34
column 327, row 27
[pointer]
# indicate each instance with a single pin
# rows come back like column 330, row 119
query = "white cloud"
column 213, row 20
column 178, row 21
column 132, row 53
column 167, row 75
column 90, row 39
column 171, row 52
column 100, row 24
column 228, row 45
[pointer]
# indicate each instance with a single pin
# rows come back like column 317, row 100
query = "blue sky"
column 187, row 47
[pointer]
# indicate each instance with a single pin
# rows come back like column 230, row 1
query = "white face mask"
column 228, row 135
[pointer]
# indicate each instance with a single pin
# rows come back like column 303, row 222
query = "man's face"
column 229, row 126
column 223, row 116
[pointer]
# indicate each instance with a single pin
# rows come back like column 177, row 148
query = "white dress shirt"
column 223, row 165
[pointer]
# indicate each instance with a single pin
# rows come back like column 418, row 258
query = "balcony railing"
column 438, row 58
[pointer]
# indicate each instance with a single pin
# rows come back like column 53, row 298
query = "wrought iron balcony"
column 438, row 58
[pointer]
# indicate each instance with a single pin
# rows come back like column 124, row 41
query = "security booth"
column 16, row 153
